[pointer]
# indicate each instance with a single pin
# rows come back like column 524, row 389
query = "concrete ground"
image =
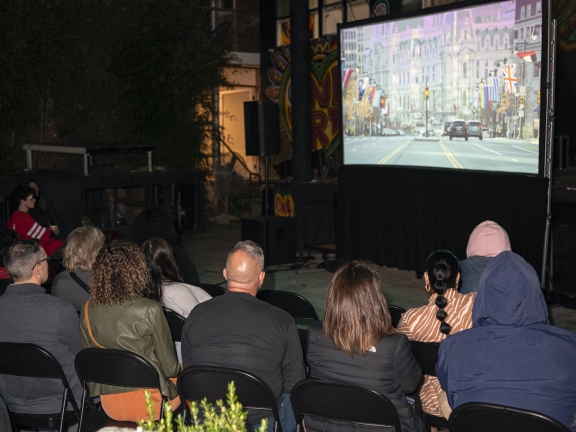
column 209, row 249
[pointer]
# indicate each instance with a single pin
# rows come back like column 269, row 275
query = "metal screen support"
column 549, row 134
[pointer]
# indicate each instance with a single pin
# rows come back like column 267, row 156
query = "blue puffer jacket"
column 512, row 355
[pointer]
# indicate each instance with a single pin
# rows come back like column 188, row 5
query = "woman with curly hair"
column 446, row 313
column 119, row 317
column 356, row 345
column 158, row 222
column 73, row 284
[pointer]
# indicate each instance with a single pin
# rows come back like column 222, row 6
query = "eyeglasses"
column 47, row 259
column 31, row 197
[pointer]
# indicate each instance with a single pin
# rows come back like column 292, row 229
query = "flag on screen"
column 362, row 85
column 494, row 89
column 346, row 75
column 412, row 107
column 484, row 97
column 528, row 56
column 376, row 99
column 371, row 92
column 454, row 106
column 509, row 78
column 382, row 101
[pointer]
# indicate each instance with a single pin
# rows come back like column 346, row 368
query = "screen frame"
column 544, row 129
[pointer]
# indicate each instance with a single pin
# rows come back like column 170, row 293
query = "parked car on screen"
column 388, row 132
column 446, row 130
column 474, row 129
column 458, row 128
column 399, row 132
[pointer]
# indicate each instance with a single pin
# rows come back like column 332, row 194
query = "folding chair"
column 325, row 400
column 396, row 313
column 113, row 367
column 33, row 361
column 198, row 382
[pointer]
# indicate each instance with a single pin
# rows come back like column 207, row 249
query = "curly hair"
column 154, row 222
column 119, row 273
column 20, row 193
column 357, row 315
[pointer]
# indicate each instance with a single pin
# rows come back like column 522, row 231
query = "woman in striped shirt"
column 447, row 312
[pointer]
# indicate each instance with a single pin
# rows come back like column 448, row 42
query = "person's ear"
column 225, row 274
column 457, row 278
column 426, row 278
column 261, row 278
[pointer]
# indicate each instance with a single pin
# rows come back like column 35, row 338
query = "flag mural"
column 509, row 78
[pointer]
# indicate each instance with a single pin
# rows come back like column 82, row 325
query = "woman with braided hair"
column 447, row 312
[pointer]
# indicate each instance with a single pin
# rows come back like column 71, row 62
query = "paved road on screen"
column 490, row 154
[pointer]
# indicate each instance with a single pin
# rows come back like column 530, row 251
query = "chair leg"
column 82, row 407
column 62, row 413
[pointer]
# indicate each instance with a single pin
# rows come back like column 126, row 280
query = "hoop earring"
column 427, row 286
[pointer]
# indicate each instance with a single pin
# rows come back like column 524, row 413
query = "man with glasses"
column 29, row 315
column 25, row 226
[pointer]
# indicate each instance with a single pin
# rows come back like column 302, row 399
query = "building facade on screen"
column 480, row 63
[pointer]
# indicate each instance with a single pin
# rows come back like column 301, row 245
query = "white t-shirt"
column 182, row 298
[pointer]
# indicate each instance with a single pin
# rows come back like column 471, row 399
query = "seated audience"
column 7, row 239
column 239, row 331
column 29, row 315
column 39, row 213
column 118, row 317
column 446, row 313
column 73, row 284
column 512, row 356
column 486, row 241
column 25, row 226
column 356, row 344
column 168, row 287
column 158, row 222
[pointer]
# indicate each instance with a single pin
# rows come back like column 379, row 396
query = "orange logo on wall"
column 284, row 205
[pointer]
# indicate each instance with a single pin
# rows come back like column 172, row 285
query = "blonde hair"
column 81, row 249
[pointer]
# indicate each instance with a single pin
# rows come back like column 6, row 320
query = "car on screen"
column 458, row 129
column 475, row 129
column 446, row 130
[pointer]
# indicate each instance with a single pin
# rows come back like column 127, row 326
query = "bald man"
column 237, row 330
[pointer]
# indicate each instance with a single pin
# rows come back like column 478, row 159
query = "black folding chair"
column 198, row 382
column 212, row 289
column 176, row 323
column 113, row 367
column 426, row 354
column 481, row 417
column 396, row 313
column 33, row 361
column 321, row 400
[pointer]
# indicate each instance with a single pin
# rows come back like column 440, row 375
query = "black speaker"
column 262, row 129
column 276, row 236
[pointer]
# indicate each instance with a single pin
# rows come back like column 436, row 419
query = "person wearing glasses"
column 25, row 226
column 29, row 315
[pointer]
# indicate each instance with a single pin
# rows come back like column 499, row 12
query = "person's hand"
column 54, row 229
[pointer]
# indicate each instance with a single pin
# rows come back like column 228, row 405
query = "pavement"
column 209, row 249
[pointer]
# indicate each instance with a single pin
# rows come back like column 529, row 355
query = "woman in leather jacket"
column 119, row 317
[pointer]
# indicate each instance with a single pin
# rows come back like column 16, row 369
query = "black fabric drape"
column 396, row 216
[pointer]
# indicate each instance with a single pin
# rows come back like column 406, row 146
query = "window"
column 464, row 70
column 536, row 71
column 538, row 7
column 521, row 34
column 528, row 11
column 522, row 12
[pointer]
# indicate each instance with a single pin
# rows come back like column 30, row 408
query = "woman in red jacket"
column 25, row 226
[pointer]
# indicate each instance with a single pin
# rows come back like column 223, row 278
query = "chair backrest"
column 116, row 367
column 329, row 400
column 30, row 360
column 212, row 289
column 176, row 323
column 480, row 417
column 396, row 313
column 426, row 354
column 293, row 303
column 198, row 382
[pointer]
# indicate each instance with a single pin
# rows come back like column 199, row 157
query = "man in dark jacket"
column 239, row 331
column 28, row 315
column 512, row 356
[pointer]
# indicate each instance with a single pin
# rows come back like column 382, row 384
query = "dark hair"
column 357, row 314
column 21, row 192
column 7, row 239
column 162, row 265
column 154, row 222
column 442, row 268
column 27, row 180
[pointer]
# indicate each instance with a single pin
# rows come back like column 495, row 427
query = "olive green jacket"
column 138, row 326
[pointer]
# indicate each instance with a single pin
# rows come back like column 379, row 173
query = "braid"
column 440, row 288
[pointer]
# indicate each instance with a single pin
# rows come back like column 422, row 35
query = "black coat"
column 392, row 370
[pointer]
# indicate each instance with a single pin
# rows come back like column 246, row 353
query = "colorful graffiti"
column 325, row 92
column 283, row 205
column 566, row 13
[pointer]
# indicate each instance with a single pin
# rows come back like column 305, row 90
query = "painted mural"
column 325, row 89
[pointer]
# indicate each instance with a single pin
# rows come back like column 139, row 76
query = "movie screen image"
column 458, row 89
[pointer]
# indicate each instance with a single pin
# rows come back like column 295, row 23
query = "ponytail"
column 440, row 271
